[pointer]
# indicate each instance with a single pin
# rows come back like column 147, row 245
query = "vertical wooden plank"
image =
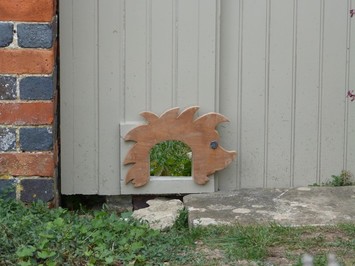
column 230, row 88
column 163, row 28
column 334, row 88
column 188, row 53
column 254, row 91
column 83, row 89
column 135, row 58
column 350, row 145
column 307, row 83
column 85, row 95
column 207, row 87
column 67, row 97
column 110, row 94
column 280, row 93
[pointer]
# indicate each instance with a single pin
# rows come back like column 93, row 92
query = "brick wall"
column 28, row 100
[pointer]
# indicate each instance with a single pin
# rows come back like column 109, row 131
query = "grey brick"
column 36, row 88
column 7, row 139
column 37, row 189
column 35, row 35
column 36, row 139
column 7, row 87
column 7, row 188
column 6, row 34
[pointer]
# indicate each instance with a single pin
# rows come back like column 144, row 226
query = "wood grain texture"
column 198, row 134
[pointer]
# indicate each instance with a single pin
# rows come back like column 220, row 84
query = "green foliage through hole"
column 170, row 158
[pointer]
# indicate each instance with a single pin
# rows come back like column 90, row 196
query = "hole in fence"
column 170, row 158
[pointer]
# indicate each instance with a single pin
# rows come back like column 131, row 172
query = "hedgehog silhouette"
column 199, row 134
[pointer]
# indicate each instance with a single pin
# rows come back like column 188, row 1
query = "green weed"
column 344, row 179
column 170, row 158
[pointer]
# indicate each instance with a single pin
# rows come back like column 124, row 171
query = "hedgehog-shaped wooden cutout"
column 199, row 134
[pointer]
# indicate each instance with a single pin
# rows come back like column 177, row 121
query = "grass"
column 282, row 245
column 37, row 235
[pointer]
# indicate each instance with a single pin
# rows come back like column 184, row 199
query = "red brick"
column 27, row 10
column 31, row 113
column 27, row 61
column 27, row 164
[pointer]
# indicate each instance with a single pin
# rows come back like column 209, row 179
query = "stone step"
column 291, row 207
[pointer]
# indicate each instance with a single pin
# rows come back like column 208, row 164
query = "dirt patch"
column 210, row 254
column 277, row 256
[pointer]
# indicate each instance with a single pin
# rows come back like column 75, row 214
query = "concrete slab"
column 293, row 207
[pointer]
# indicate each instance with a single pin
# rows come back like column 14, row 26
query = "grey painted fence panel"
column 279, row 69
column 79, row 105
column 286, row 51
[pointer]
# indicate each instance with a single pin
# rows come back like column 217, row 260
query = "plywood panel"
column 255, row 42
column 334, row 88
column 307, row 92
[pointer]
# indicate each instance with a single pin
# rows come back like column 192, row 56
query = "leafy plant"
column 36, row 235
column 170, row 158
column 344, row 179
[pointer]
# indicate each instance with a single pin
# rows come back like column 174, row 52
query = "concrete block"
column 120, row 203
